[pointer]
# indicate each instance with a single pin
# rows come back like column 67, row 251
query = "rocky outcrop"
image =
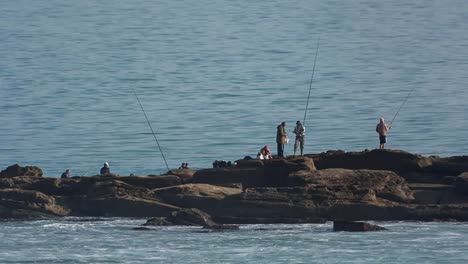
column 355, row 226
column 188, row 217
column 414, row 168
column 24, row 204
column 17, row 170
column 202, row 196
column 392, row 160
column 356, row 186
column 255, row 173
column 185, row 175
column 352, row 184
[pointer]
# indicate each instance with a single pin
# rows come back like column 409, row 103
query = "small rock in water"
column 142, row 228
column 350, row 226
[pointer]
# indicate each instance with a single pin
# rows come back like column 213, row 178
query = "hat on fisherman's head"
column 298, row 122
column 106, row 164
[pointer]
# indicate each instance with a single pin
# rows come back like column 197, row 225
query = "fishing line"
column 401, row 106
column 152, row 131
column 311, row 81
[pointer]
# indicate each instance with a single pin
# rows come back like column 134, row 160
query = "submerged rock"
column 189, row 217
column 355, row 226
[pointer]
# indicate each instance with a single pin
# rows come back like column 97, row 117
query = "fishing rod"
column 311, row 81
column 152, row 131
column 401, row 106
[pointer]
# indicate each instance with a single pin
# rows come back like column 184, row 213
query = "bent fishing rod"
column 152, row 131
column 311, row 81
column 401, row 106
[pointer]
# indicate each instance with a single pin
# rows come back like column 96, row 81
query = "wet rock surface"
column 355, row 227
column 355, row 186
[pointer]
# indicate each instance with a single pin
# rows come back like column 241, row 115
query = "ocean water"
column 114, row 241
column 215, row 79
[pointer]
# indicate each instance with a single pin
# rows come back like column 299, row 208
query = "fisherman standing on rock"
column 382, row 129
column 281, row 138
column 299, row 130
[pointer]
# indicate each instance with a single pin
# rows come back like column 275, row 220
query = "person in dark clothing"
column 105, row 169
column 281, row 138
column 66, row 174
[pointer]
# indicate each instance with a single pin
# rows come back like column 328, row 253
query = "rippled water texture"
column 217, row 77
column 114, row 241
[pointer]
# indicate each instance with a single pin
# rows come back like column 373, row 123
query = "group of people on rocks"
column 282, row 138
column 265, row 153
column 299, row 130
column 104, row 170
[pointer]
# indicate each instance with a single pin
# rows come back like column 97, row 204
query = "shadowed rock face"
column 392, row 160
column 369, row 185
column 24, row 204
column 366, row 184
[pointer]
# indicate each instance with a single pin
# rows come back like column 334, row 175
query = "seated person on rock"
column 264, row 153
column 66, row 174
column 184, row 166
column 105, row 169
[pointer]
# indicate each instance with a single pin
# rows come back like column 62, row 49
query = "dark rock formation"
column 24, row 204
column 255, row 173
column 185, row 175
column 17, row 170
column 189, row 217
column 355, row 226
column 369, row 185
column 202, row 196
column 355, row 184
column 461, row 183
column 392, row 160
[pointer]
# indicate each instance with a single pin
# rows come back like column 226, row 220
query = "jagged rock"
column 227, row 175
column 392, row 160
column 202, row 196
column 450, row 166
column 249, row 163
column 17, row 170
column 255, row 173
column 185, row 175
column 189, row 217
column 461, row 183
column 123, row 206
column 355, row 226
column 16, row 203
column 286, row 190
column 157, row 221
column 380, row 184
column 152, row 182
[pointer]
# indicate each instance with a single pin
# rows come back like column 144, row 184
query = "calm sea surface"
column 215, row 79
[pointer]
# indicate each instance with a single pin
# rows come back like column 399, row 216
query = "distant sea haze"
column 216, row 78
